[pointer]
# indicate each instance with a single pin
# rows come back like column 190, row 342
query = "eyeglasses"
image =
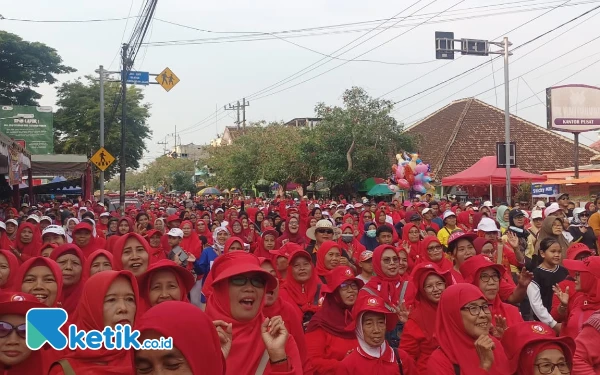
column 485, row 277
column 391, row 260
column 7, row 328
column 323, row 231
column 433, row 249
column 256, row 281
column 548, row 368
column 584, row 214
column 474, row 310
column 440, row 285
column 350, row 285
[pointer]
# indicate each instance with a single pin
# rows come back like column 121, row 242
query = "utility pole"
column 122, row 160
column 244, row 105
column 175, row 139
column 236, row 108
column 444, row 46
column 101, row 72
column 164, row 145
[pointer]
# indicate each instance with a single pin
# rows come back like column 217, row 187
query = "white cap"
column 447, row 214
column 365, row 201
column 349, row 207
column 2, row 225
column 47, row 218
column 56, row 229
column 551, row 209
column 219, row 210
column 426, row 210
column 487, row 225
column 317, row 205
column 175, row 232
column 102, row 204
column 82, row 208
column 34, row 217
column 105, row 214
column 540, row 204
column 468, row 204
column 536, row 214
column 488, row 204
column 12, row 221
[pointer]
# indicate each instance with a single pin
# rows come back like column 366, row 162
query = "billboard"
column 541, row 190
column 29, row 126
column 573, row 108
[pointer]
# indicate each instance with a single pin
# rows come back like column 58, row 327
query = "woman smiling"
column 42, row 278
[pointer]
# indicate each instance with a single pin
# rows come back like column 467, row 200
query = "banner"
column 30, row 126
column 538, row 190
column 573, row 108
column 15, row 174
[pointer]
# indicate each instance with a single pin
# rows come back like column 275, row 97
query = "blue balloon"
column 427, row 179
column 419, row 161
column 419, row 177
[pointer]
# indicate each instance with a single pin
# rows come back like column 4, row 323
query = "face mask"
column 371, row 233
column 347, row 238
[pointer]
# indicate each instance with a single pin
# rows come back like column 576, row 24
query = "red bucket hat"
column 239, row 262
column 18, row 303
column 372, row 303
column 472, row 266
column 338, row 276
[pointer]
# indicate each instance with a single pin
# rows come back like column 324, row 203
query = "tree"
column 24, row 65
column 356, row 141
column 170, row 173
column 77, row 122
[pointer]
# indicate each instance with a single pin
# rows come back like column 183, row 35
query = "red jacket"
column 439, row 364
column 417, row 346
column 587, row 356
column 356, row 364
column 327, row 351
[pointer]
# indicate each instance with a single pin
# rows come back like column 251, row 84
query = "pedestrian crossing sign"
column 102, row 159
column 167, row 79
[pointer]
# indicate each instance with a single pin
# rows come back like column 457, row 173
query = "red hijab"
column 89, row 316
column 454, row 342
column 191, row 243
column 443, row 264
column 387, row 287
column 191, row 323
column 13, row 266
column 206, row 232
column 425, row 312
column 335, row 315
column 297, row 237
column 357, row 247
column 184, row 278
column 472, row 268
column 41, row 261
column 301, row 295
column 5, row 241
column 87, row 268
column 247, row 348
column 95, row 242
column 120, row 244
column 260, row 249
column 71, row 294
column 414, row 246
column 463, row 220
column 112, row 240
column 321, row 254
column 156, row 253
column 31, row 249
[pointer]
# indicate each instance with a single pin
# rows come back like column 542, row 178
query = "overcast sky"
column 225, row 70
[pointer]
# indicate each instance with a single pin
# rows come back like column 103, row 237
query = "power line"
column 67, row 21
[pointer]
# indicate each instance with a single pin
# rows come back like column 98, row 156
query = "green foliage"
column 77, row 122
column 352, row 143
column 523, row 193
column 170, row 173
column 24, row 65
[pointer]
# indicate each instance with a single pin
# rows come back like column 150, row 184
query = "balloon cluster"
column 411, row 172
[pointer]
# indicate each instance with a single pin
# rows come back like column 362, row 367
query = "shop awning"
column 70, row 166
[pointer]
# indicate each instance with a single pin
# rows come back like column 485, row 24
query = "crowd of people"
column 300, row 286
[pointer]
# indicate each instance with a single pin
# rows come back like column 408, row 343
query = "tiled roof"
column 596, row 145
column 458, row 135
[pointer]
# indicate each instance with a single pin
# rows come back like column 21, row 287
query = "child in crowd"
column 366, row 265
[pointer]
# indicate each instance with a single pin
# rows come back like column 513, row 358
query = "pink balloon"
column 400, row 173
column 421, row 168
column 402, row 183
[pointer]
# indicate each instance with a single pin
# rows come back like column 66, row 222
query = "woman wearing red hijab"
column 373, row 355
column 411, row 241
column 95, row 313
column 486, row 275
column 275, row 306
column 203, row 230
column 83, row 237
column 70, row 259
column 418, row 334
column 28, row 241
column 131, row 253
column 9, row 265
column 532, row 348
column 190, row 242
column 164, row 281
column 462, row 330
column 464, row 221
column 260, row 345
column 302, row 287
column 125, row 225
column 5, row 241
column 42, row 278
column 266, row 243
column 190, row 331
column 292, row 233
column 15, row 357
column 349, row 243
column 157, row 252
column 328, row 341
column 432, row 251
column 98, row 261
column 328, row 258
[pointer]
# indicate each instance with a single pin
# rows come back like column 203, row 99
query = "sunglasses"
column 584, row 214
column 7, row 328
column 328, row 231
column 256, row 281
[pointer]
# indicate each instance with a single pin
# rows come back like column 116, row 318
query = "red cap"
column 459, row 235
column 338, row 276
column 472, row 266
column 152, row 232
column 83, row 225
column 372, row 303
column 18, row 303
column 591, row 265
column 577, row 248
column 239, row 262
column 173, row 217
column 287, row 250
column 519, row 336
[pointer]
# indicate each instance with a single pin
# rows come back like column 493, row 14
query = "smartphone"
column 247, row 247
column 516, row 230
column 183, row 256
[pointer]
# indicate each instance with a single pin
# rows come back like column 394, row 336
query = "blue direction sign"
column 138, row 78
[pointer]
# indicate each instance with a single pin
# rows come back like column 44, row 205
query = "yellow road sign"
column 167, row 79
column 102, row 159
